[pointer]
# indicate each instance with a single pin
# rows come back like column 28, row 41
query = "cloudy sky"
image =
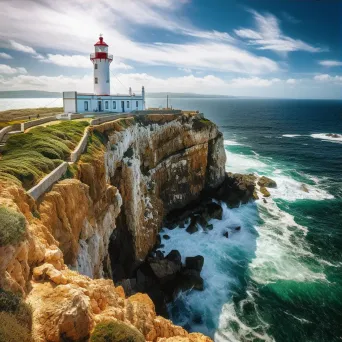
column 269, row 48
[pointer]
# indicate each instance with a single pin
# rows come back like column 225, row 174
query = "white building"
column 101, row 101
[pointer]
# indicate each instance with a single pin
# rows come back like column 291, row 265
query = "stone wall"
column 80, row 147
column 29, row 124
column 48, row 181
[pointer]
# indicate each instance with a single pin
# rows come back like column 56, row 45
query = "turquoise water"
column 280, row 277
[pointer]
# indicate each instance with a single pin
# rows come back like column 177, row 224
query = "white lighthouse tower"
column 101, row 61
column 101, row 101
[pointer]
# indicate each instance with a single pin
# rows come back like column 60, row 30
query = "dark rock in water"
column 264, row 199
column 175, row 257
column 214, row 210
column 236, row 189
column 164, row 270
column 195, row 263
column 226, row 234
column 172, row 226
column 192, row 228
column 202, row 220
column 238, row 228
column 267, row 182
column 182, row 224
column 159, row 255
column 159, row 300
column 190, row 279
column 161, row 245
column 209, row 227
column 166, row 237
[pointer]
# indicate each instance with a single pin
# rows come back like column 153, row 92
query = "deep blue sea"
column 280, row 277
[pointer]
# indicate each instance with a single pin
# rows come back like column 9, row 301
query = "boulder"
column 209, row 227
column 236, row 189
column 194, row 263
column 192, row 228
column 226, row 234
column 164, row 270
column 214, row 210
column 175, row 257
column 166, row 237
column 267, row 182
column 238, row 228
column 190, row 279
column 265, row 192
column 304, row 188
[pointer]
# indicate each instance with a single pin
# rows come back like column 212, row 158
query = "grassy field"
column 28, row 157
column 12, row 116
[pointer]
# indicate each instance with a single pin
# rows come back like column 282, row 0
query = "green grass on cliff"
column 96, row 142
column 12, row 227
column 28, row 157
column 116, row 331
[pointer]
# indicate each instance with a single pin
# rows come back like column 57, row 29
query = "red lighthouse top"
column 101, row 51
column 100, row 42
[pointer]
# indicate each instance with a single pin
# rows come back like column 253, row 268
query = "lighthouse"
column 101, row 62
column 101, row 101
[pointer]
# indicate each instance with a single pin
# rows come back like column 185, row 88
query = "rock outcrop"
column 104, row 221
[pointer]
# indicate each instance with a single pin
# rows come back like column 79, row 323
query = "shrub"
column 116, row 331
column 12, row 226
column 15, row 318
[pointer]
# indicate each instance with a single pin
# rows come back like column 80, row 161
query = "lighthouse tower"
column 101, row 61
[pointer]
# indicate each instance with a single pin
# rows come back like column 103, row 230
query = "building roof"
column 100, row 42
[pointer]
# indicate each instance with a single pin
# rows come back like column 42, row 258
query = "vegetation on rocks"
column 13, row 116
column 15, row 317
column 96, row 142
column 28, row 157
column 116, row 331
column 12, row 227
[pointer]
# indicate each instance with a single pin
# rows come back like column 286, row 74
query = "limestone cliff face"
column 159, row 164
column 108, row 215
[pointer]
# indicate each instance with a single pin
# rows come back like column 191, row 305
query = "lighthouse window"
column 127, row 104
column 86, row 106
column 137, row 104
column 96, row 80
column 95, row 65
column 114, row 104
column 106, row 104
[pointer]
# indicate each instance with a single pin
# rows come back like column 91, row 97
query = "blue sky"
column 267, row 48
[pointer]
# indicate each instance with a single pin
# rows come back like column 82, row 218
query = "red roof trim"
column 101, row 42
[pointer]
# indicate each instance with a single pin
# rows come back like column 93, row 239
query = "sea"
column 279, row 278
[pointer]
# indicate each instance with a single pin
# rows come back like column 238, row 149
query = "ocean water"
column 280, row 277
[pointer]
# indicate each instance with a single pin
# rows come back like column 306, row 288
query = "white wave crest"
column 232, row 143
column 291, row 135
column 325, row 136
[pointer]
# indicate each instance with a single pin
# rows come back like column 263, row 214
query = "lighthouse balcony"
column 101, row 55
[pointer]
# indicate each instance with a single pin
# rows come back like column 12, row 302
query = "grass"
column 15, row 318
column 12, row 227
column 8, row 117
column 28, row 157
column 96, row 142
column 116, row 332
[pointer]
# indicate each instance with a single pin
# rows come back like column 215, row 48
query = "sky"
column 263, row 48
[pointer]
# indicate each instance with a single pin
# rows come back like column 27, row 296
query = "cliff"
column 103, row 222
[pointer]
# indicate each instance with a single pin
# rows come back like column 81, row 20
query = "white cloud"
column 7, row 70
column 330, row 63
column 5, row 55
column 291, row 81
column 80, row 61
column 328, row 78
column 269, row 36
column 187, row 70
column 22, row 48
column 71, row 26
column 241, row 82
